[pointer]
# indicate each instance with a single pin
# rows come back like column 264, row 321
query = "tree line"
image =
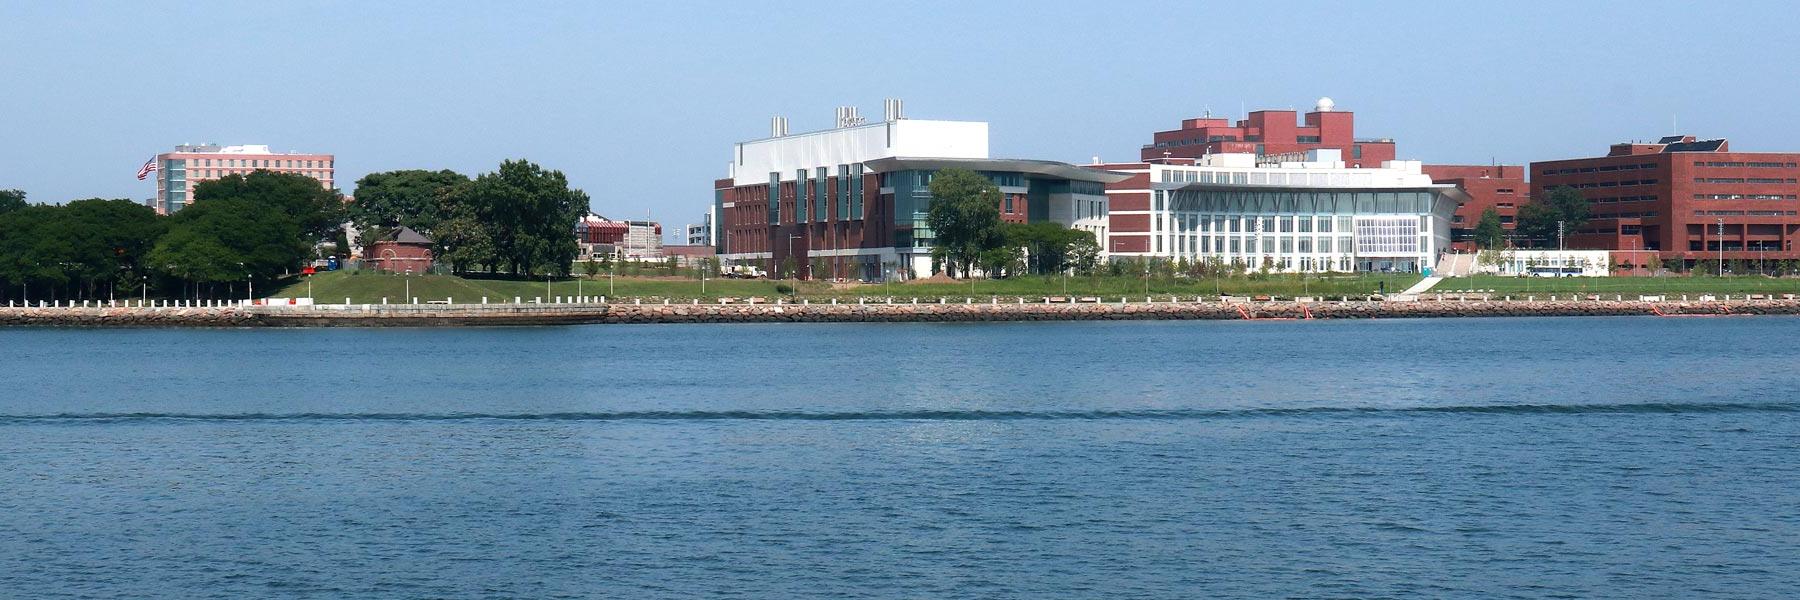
column 519, row 220
column 242, row 229
column 964, row 217
column 257, row 228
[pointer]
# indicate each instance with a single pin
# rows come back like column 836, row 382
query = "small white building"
column 1545, row 263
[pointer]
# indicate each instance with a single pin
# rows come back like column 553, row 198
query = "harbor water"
column 1631, row 457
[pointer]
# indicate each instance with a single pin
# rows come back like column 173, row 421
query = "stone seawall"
column 568, row 314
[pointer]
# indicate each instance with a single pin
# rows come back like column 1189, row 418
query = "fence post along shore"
column 554, row 311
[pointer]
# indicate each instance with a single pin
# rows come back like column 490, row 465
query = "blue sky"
column 639, row 104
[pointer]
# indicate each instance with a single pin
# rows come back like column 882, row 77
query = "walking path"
column 1412, row 293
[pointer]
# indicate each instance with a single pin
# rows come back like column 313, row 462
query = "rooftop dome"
column 1324, row 105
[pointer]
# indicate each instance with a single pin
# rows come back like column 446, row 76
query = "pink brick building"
column 177, row 172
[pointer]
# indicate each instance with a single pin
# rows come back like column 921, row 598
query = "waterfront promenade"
column 757, row 310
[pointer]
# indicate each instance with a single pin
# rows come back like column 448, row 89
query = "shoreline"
column 994, row 310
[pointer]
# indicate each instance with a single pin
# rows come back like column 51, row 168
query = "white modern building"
column 1287, row 213
column 701, row 234
column 850, row 202
column 1545, row 263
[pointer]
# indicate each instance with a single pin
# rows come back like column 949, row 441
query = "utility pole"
column 1559, row 236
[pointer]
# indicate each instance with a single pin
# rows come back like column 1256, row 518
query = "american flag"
column 144, row 171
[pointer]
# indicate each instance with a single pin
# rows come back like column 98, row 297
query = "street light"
column 1721, row 236
column 249, row 286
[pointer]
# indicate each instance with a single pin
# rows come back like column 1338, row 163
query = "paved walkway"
column 1412, row 293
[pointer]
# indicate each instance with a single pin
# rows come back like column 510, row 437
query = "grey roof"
column 1048, row 168
column 406, row 235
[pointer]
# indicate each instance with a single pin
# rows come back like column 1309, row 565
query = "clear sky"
column 639, row 105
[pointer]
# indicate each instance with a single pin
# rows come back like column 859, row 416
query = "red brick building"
column 1501, row 187
column 1271, row 132
column 401, row 251
column 1675, row 196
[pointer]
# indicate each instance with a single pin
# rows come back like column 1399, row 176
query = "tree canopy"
column 1489, row 233
column 1538, row 219
column 231, row 239
column 319, row 212
column 78, row 248
column 964, row 218
column 525, row 217
column 11, row 200
column 413, row 198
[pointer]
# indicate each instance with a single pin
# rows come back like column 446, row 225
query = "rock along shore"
column 421, row 315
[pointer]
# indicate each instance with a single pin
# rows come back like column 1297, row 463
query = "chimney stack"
column 778, row 126
column 893, row 109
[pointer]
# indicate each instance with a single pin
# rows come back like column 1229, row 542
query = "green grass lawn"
column 370, row 287
column 1675, row 285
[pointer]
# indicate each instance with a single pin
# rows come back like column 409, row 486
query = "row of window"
column 1746, row 196
column 1263, row 224
column 1609, row 184
column 1270, row 245
column 810, row 200
column 1627, row 215
column 1752, row 165
column 1612, row 199
column 253, row 163
column 1744, row 213
column 203, row 174
column 1266, row 178
column 1191, row 141
column 1745, row 180
column 1600, row 169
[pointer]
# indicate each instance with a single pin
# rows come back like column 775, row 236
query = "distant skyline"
column 639, row 105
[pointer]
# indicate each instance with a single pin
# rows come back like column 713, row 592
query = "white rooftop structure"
column 753, row 161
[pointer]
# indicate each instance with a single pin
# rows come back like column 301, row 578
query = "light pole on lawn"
column 1721, row 237
column 249, row 287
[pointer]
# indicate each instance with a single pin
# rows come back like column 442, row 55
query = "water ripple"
column 943, row 415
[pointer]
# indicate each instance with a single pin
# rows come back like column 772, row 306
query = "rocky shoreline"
column 410, row 315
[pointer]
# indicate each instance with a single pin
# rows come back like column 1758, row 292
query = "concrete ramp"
column 1412, row 293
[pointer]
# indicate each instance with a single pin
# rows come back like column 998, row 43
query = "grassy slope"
column 368, row 287
column 1622, row 285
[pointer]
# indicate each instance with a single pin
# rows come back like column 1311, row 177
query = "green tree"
column 590, row 267
column 964, row 217
column 1489, row 234
column 527, row 216
column 1537, row 220
column 82, row 248
column 228, row 240
column 11, row 200
column 412, row 198
column 316, row 210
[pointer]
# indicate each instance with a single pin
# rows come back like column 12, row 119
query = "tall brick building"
column 1501, row 187
column 1685, row 198
column 1272, row 132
